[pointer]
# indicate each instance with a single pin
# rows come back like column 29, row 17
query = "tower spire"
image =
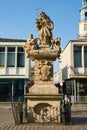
column 83, row 21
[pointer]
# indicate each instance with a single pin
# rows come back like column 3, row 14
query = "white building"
column 14, row 69
column 73, row 62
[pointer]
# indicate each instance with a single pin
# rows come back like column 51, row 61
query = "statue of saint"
column 44, row 25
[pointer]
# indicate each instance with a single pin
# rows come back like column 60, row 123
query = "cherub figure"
column 31, row 44
column 56, row 44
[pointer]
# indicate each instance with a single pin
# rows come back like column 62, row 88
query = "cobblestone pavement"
column 79, row 121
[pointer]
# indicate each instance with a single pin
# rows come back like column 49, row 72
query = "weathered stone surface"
column 44, row 89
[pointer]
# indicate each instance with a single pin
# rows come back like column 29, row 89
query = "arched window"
column 85, row 15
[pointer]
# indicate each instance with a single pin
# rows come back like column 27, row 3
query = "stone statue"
column 46, row 71
column 31, row 44
column 44, row 25
column 43, row 70
column 56, row 44
column 41, row 52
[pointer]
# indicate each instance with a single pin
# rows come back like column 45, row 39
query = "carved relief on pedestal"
column 43, row 70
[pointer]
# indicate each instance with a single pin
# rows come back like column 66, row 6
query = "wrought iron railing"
column 81, row 99
column 15, row 98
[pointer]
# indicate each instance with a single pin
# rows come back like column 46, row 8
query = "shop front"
column 76, row 89
column 11, row 90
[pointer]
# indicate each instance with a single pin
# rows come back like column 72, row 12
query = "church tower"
column 83, row 21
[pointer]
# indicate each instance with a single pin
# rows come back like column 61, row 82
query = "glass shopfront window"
column 11, row 90
column 83, row 88
column 18, row 89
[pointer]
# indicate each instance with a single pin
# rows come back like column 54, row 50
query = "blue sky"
column 17, row 18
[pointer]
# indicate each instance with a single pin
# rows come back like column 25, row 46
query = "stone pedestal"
column 43, row 99
column 43, row 108
column 43, row 89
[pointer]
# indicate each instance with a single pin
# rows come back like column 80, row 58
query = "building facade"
column 14, row 69
column 73, row 62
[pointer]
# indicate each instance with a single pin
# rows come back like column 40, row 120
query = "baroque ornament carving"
column 43, row 49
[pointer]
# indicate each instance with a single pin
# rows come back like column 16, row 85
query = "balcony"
column 79, row 70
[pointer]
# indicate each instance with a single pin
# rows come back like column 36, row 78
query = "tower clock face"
column 85, row 27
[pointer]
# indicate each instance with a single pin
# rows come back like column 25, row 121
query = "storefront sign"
column 81, row 90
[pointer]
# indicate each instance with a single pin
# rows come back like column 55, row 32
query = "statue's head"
column 42, row 14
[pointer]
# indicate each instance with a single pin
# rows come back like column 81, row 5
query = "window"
column 19, row 89
column 20, row 57
column 77, row 56
column 2, row 56
column 11, row 57
column 85, row 15
column 85, row 27
column 85, row 56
